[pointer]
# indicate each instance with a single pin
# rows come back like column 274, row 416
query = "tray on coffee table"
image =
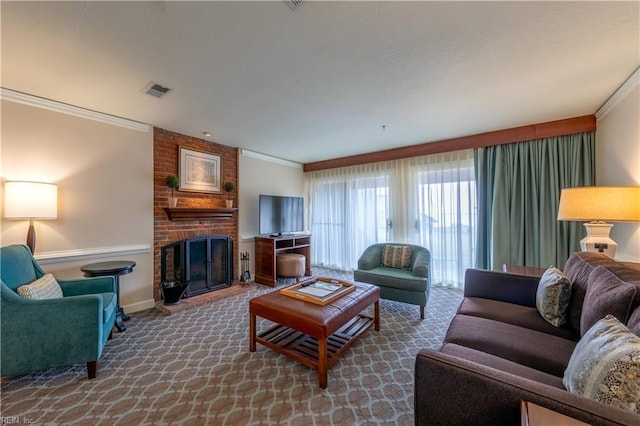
column 319, row 290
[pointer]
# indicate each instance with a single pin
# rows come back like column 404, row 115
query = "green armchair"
column 406, row 285
column 42, row 334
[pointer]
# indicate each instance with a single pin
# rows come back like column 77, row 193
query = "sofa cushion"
column 511, row 313
column 552, row 297
column 396, row 256
column 605, row 365
column 391, row 277
column 501, row 364
column 521, row 345
column 577, row 269
column 607, row 294
column 45, row 287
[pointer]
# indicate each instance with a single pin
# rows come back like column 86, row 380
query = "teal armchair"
column 42, row 334
column 411, row 285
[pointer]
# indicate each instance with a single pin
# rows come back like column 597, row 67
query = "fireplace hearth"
column 205, row 263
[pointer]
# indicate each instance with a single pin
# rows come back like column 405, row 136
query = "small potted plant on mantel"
column 173, row 183
column 228, row 188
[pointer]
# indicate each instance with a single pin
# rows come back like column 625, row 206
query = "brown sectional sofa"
column 499, row 350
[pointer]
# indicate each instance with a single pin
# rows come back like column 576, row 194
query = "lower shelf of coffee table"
column 304, row 348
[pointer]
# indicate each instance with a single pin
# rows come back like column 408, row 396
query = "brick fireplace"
column 165, row 157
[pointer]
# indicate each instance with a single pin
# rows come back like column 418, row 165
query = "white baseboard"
column 139, row 306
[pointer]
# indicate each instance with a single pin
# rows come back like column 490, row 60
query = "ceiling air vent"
column 293, row 4
column 156, row 90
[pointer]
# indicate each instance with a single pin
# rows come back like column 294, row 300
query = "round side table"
column 113, row 268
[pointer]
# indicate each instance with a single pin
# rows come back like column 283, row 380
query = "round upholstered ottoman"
column 290, row 265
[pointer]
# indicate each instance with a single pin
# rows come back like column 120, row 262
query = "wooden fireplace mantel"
column 195, row 213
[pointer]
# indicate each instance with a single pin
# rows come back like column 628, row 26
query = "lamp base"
column 598, row 240
column 31, row 237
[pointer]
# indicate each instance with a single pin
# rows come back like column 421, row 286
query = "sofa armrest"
column 510, row 288
column 371, row 257
column 92, row 285
column 450, row 390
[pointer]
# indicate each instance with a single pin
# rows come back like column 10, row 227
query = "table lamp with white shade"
column 32, row 201
column 596, row 205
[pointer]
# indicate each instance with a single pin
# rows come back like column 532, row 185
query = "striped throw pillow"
column 396, row 256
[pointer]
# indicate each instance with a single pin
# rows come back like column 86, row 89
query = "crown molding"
column 620, row 93
column 265, row 157
column 37, row 102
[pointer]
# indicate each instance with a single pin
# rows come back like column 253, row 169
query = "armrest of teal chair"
column 83, row 311
column 92, row 285
column 371, row 257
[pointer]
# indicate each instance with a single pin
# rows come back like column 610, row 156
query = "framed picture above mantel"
column 199, row 171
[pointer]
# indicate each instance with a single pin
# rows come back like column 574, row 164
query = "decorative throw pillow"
column 552, row 297
column 606, row 294
column 396, row 256
column 605, row 365
column 45, row 287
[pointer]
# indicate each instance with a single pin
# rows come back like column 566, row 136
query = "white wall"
column 618, row 162
column 260, row 174
column 104, row 174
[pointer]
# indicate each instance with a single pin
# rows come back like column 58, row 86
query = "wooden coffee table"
column 313, row 335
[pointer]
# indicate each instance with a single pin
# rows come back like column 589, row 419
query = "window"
column 446, row 222
column 354, row 207
column 347, row 214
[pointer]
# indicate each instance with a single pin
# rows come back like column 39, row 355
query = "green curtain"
column 519, row 188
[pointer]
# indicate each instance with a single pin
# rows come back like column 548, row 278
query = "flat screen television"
column 281, row 215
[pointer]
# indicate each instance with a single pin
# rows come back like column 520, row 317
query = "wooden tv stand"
column 267, row 248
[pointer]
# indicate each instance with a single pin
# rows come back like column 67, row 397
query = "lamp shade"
column 30, row 200
column 601, row 203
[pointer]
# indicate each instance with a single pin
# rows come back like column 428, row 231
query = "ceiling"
column 320, row 82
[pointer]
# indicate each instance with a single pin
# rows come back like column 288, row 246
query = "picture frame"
column 199, row 171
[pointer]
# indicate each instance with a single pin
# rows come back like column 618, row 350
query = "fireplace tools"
column 245, row 276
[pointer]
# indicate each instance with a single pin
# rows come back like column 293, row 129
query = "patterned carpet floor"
column 195, row 368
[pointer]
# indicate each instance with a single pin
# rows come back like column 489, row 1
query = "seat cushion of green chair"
column 391, row 277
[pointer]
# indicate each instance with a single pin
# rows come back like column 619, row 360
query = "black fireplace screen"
column 205, row 262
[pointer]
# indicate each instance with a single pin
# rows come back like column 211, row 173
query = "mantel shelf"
column 195, row 213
